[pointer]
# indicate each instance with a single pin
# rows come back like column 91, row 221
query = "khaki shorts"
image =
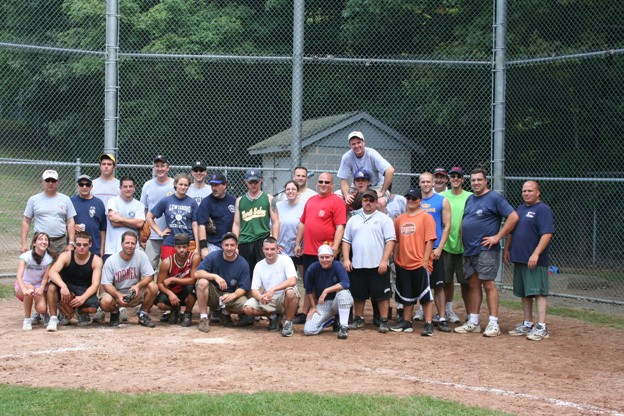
column 236, row 306
column 137, row 301
column 276, row 305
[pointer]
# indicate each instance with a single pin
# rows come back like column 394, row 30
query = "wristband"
column 203, row 243
column 71, row 243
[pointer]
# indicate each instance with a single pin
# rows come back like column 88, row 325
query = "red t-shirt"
column 412, row 233
column 321, row 216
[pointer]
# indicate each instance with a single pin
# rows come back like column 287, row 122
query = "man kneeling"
column 128, row 280
column 326, row 283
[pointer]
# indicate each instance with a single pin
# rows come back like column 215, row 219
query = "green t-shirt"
column 458, row 202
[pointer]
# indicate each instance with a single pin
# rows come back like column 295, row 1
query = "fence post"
column 111, row 73
column 297, row 83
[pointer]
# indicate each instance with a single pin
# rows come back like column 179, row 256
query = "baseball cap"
column 160, row 158
column 199, row 165
column 108, row 156
column 371, row 193
column 84, row 177
column 253, row 175
column 456, row 169
column 356, row 134
column 217, row 178
column 229, row 235
column 362, row 173
column 439, row 171
column 181, row 239
column 414, row 193
column 50, row 174
column 325, row 249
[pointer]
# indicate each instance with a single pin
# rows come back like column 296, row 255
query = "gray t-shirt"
column 105, row 190
column 125, row 274
column 152, row 192
column 50, row 213
column 372, row 161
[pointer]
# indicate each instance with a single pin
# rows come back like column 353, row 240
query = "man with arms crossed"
column 481, row 233
column 527, row 249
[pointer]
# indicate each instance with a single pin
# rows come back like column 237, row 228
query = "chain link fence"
column 213, row 81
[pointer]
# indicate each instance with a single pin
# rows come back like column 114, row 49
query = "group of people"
column 189, row 242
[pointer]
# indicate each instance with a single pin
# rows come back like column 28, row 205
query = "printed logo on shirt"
column 530, row 214
column 321, row 213
column 408, row 228
column 255, row 212
column 428, row 208
column 131, row 214
column 479, row 213
column 231, row 208
column 91, row 211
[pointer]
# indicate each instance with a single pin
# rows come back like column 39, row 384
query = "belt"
column 57, row 238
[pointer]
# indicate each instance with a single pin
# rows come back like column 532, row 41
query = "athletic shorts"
column 276, row 305
column 307, row 260
column 438, row 275
column 214, row 293
column 368, row 283
column 485, row 264
column 91, row 302
column 412, row 286
column 530, row 282
column 252, row 252
column 184, row 293
column 454, row 265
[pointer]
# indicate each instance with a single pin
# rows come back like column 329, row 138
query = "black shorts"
column 307, row 260
column 186, row 291
column 412, row 286
column 252, row 252
column 297, row 261
column 438, row 275
column 367, row 283
column 91, row 302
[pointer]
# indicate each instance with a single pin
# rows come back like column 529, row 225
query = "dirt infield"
column 578, row 370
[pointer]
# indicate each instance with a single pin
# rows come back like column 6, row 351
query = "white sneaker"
column 452, row 317
column 53, row 324
column 538, row 333
column 520, row 330
column 468, row 327
column 99, row 316
column 492, row 330
column 123, row 315
column 27, row 325
column 419, row 315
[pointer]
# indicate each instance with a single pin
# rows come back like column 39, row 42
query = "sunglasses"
column 411, row 198
column 368, row 200
column 198, row 170
column 82, row 244
column 84, row 184
column 50, row 180
column 324, row 182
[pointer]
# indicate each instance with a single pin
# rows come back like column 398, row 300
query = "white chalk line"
column 44, row 352
column 557, row 402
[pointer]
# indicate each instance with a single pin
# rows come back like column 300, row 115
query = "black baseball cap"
column 198, row 165
column 160, row 158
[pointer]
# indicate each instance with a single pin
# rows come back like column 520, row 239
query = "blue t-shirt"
column 179, row 215
column 235, row 273
column 533, row 222
column 222, row 213
column 482, row 218
column 91, row 213
column 433, row 205
column 317, row 278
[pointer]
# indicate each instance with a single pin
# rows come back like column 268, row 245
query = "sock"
column 141, row 312
column 203, row 315
column 442, row 319
column 474, row 318
column 343, row 316
column 449, row 306
column 528, row 324
column 399, row 305
column 494, row 320
column 542, row 325
column 420, row 308
column 122, row 309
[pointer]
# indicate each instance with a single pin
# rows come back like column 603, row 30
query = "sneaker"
column 114, row 319
column 538, row 333
column 492, row 330
column 276, row 324
column 99, row 316
column 27, row 325
column 123, row 315
column 83, row 319
column 468, row 327
column 165, row 316
column 204, row 325
column 300, row 319
column 452, row 317
column 443, row 326
column 399, row 314
column 358, row 322
column 145, row 320
column 288, row 329
column 245, row 320
column 214, row 316
column 35, row 318
column 436, row 318
column 46, row 319
column 62, row 319
column 53, row 324
column 419, row 315
column 226, row 320
column 428, row 330
column 403, row 326
column 343, row 332
column 520, row 330
column 384, row 326
column 187, row 319
column 376, row 320
column 174, row 316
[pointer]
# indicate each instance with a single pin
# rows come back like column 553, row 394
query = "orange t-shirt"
column 412, row 233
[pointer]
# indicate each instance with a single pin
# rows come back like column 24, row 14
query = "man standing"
column 360, row 157
column 277, row 277
column 372, row 236
column 215, row 215
column 453, row 253
column 327, row 287
column 222, row 282
column 124, row 213
column 438, row 207
column 153, row 191
column 254, row 219
column 128, row 280
column 53, row 213
column 415, row 233
column 90, row 215
column 106, row 186
column 396, row 205
column 529, row 254
column 77, row 273
column 198, row 189
column 176, row 281
column 440, row 180
column 300, row 177
column 481, row 233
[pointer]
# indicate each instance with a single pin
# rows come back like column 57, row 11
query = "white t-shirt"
column 105, row 190
column 267, row 275
column 133, row 209
column 368, row 235
column 33, row 273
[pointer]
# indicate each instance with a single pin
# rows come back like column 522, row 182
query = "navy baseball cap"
column 414, row 193
column 456, row 169
column 84, row 177
column 217, row 179
column 362, row 174
column 253, row 175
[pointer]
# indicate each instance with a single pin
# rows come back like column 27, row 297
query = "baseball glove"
column 65, row 309
column 211, row 228
column 145, row 232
